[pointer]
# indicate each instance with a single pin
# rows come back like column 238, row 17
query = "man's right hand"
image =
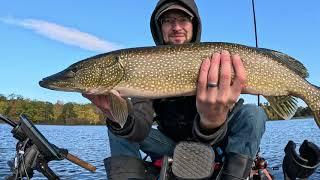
column 101, row 101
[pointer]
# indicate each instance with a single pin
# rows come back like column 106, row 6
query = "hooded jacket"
column 162, row 4
column 176, row 117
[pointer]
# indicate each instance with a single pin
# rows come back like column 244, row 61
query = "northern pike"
column 172, row 70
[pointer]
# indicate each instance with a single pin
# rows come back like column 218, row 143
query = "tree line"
column 41, row 112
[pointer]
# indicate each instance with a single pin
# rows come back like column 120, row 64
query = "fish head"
column 94, row 75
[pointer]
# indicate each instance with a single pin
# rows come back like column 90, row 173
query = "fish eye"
column 74, row 69
column 117, row 58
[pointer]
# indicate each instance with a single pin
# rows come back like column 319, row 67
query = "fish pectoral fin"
column 118, row 108
column 284, row 106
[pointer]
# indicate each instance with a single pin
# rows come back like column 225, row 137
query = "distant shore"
column 102, row 123
column 293, row 118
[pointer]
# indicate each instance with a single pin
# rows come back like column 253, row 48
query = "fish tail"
column 317, row 117
column 317, row 111
column 313, row 101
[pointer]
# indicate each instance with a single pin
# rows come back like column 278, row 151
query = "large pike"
column 172, row 70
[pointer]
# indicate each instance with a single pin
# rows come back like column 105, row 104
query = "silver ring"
column 212, row 85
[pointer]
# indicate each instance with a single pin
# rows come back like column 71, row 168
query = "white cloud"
column 63, row 34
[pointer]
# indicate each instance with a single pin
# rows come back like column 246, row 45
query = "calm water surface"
column 91, row 144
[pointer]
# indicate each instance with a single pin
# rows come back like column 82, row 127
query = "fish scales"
column 172, row 70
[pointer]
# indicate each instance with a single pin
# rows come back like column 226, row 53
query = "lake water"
column 91, row 144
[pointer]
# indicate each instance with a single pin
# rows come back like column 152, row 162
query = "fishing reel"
column 33, row 152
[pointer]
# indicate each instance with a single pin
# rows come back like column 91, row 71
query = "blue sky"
column 39, row 38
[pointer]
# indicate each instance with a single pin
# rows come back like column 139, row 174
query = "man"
column 198, row 118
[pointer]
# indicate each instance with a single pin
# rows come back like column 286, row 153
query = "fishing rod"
column 255, row 33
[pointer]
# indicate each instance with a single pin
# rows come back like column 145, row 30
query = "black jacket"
column 175, row 116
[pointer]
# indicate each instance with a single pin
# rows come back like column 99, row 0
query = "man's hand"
column 215, row 100
column 101, row 101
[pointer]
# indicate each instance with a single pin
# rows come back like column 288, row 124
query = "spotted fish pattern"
column 172, row 70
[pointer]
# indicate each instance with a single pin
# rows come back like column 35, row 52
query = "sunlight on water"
column 90, row 143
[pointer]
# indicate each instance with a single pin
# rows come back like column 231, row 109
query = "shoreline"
column 103, row 124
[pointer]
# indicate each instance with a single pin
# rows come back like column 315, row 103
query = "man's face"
column 176, row 27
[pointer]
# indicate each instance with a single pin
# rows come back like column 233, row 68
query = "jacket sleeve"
column 139, row 122
column 214, row 136
column 211, row 136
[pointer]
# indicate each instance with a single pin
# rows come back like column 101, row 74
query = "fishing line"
column 255, row 34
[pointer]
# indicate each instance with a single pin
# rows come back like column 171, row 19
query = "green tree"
column 3, row 98
column 67, row 112
column 87, row 113
column 49, row 113
column 3, row 104
column 46, row 112
column 57, row 111
column 11, row 110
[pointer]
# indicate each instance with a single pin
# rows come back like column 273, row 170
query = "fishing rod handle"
column 80, row 162
column 8, row 121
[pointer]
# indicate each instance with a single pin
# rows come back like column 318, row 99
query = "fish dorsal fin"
column 118, row 108
column 284, row 106
column 290, row 62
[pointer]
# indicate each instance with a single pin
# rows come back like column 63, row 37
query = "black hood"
column 188, row 4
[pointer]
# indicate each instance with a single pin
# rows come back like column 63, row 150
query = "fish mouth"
column 43, row 83
column 48, row 82
column 49, row 85
column 63, row 80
